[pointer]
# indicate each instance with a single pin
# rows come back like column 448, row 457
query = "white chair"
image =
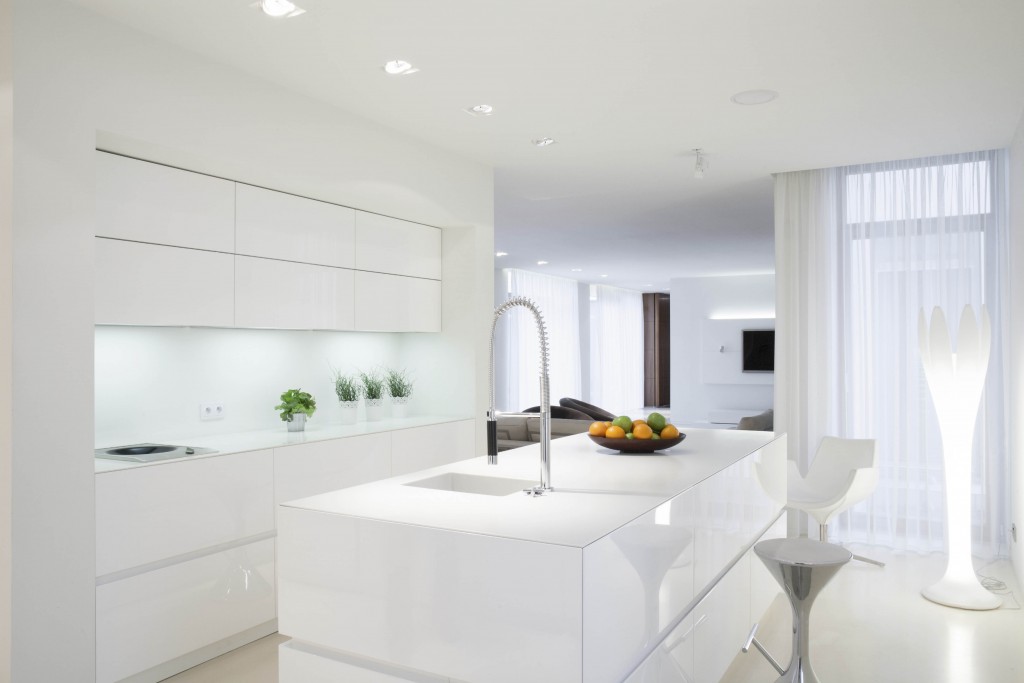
column 844, row 472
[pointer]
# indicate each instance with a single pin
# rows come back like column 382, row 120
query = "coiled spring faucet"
column 545, row 399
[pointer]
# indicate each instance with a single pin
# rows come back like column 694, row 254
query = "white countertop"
column 225, row 444
column 596, row 490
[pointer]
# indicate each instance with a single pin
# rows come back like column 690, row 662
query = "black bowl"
column 636, row 445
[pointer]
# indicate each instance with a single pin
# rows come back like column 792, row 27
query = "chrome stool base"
column 802, row 567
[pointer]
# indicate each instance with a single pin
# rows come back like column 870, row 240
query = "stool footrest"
column 752, row 640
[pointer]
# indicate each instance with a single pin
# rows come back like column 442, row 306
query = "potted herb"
column 400, row 389
column 373, row 389
column 348, row 390
column 296, row 405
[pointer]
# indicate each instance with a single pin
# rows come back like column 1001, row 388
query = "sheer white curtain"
column 616, row 349
column 558, row 300
column 880, row 242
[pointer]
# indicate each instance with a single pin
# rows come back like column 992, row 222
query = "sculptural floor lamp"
column 956, row 381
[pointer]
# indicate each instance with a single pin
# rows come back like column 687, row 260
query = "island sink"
column 473, row 483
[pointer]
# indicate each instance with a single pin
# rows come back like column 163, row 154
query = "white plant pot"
column 374, row 409
column 297, row 423
column 399, row 406
column 349, row 409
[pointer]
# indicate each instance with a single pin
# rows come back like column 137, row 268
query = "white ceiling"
column 628, row 89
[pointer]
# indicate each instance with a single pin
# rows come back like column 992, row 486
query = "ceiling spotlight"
column 542, row 263
column 499, row 254
column 577, row 270
column 481, row 110
column 754, row 96
column 700, row 165
column 399, row 67
column 279, row 8
column 543, row 142
column 604, row 276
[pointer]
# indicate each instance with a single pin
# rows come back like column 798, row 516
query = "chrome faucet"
column 545, row 400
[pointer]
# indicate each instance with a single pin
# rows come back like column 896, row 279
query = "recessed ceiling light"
column 543, row 142
column 399, row 67
column 499, row 254
column 481, row 110
column 754, row 96
column 542, row 263
column 577, row 270
column 604, row 276
column 279, row 8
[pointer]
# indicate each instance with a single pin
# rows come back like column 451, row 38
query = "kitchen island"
column 453, row 574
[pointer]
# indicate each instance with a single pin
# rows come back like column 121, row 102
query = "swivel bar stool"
column 802, row 567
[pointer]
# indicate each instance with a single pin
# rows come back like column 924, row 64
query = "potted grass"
column 373, row 391
column 296, row 405
column 348, row 389
column 400, row 389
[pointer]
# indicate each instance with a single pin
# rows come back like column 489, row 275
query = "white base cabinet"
column 161, row 615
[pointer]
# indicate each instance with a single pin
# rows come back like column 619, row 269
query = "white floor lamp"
column 956, row 381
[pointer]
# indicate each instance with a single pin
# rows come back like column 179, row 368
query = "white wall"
column 695, row 300
column 84, row 82
column 1016, row 412
column 6, row 193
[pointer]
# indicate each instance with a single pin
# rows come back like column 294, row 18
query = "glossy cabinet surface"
column 147, row 202
column 152, row 618
column 391, row 245
column 153, row 513
column 290, row 228
column 421, row 447
column 149, row 284
column 308, row 469
column 393, row 303
column 285, row 295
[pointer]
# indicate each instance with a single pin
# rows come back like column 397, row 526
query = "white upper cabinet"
column 392, row 303
column 390, row 245
column 290, row 228
column 292, row 296
column 146, row 202
column 150, row 284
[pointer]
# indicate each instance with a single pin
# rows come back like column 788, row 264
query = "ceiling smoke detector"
column 399, row 67
column 279, row 9
column 543, row 142
column 480, row 110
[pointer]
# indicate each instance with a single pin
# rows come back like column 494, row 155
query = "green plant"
column 373, row 384
column 295, row 401
column 347, row 388
column 399, row 384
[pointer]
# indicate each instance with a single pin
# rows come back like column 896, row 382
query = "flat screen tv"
column 758, row 350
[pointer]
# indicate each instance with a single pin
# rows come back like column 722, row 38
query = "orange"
column 669, row 432
column 608, row 423
column 638, row 422
column 615, row 432
column 642, row 430
column 598, row 429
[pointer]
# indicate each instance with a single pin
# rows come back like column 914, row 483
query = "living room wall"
column 694, row 301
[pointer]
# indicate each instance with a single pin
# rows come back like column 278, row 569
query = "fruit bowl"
column 636, row 445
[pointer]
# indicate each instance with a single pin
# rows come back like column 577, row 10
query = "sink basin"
column 150, row 452
column 474, row 483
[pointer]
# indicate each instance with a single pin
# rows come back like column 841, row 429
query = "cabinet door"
column 393, row 303
column 147, row 514
column 722, row 623
column 282, row 226
column 390, row 245
column 421, row 447
column 146, row 202
column 312, row 468
column 149, row 284
column 296, row 296
column 153, row 618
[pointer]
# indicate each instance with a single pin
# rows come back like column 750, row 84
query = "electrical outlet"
column 211, row 411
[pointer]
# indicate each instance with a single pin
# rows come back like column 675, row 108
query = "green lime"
column 630, row 436
column 657, row 421
column 655, row 437
column 625, row 422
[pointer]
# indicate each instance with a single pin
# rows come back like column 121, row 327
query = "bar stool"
column 802, row 567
